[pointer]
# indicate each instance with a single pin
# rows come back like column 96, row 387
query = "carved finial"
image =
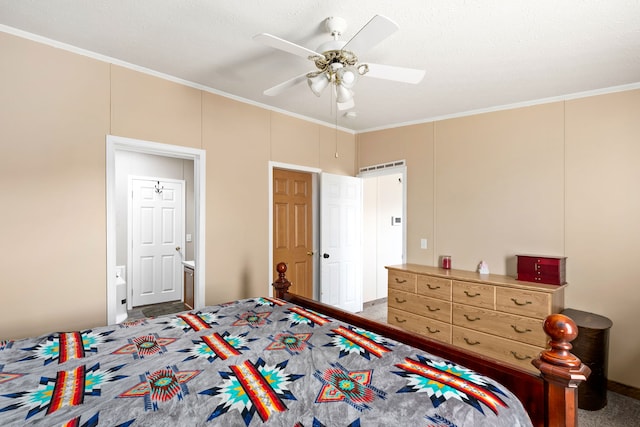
column 281, row 285
column 282, row 269
column 562, row 371
column 562, row 330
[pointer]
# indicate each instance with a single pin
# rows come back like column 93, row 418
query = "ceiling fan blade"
column 373, row 32
column 398, row 74
column 285, row 45
column 276, row 90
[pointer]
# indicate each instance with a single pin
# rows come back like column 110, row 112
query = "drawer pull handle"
column 520, row 331
column 471, row 296
column 432, row 309
column 401, row 281
column 400, row 320
column 400, row 302
column 432, row 331
column 433, row 288
column 466, row 316
column 471, row 343
column 516, row 302
column 517, row 356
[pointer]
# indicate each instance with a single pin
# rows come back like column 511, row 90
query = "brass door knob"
column 310, row 253
column 177, row 248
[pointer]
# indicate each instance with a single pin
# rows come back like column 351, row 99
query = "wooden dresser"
column 494, row 315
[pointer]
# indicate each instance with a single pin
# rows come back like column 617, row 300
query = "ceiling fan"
column 336, row 61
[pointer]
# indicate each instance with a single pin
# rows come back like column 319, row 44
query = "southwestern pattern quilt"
column 245, row 363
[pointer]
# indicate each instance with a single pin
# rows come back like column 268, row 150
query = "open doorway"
column 337, row 246
column 184, row 156
column 384, row 225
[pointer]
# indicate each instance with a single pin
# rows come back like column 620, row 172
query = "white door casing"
column 116, row 144
column 341, row 241
column 157, row 234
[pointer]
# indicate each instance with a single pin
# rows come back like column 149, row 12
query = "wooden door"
column 293, row 228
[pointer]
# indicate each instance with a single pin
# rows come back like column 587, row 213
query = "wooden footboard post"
column 281, row 285
column 562, row 371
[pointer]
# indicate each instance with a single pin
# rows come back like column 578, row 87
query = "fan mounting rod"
column 335, row 26
column 333, row 57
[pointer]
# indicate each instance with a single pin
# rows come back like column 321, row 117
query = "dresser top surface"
column 472, row 276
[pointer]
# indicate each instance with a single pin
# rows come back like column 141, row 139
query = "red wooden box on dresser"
column 542, row 269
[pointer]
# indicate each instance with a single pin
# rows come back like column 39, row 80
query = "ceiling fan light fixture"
column 343, row 94
column 347, row 76
column 318, row 83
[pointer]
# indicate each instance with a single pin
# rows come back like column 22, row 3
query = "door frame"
column 198, row 156
column 130, row 214
column 315, row 172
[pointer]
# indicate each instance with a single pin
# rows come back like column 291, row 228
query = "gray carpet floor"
column 620, row 411
column 155, row 310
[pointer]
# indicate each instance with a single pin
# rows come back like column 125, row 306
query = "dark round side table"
column 592, row 347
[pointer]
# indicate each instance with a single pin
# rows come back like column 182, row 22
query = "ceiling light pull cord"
column 334, row 109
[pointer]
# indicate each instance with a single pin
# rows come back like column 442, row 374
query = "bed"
column 283, row 361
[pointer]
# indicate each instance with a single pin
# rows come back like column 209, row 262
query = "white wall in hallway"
column 382, row 241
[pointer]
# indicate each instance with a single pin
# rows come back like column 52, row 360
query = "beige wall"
column 54, row 115
column 603, row 219
column 415, row 144
column 57, row 107
column 154, row 109
column 499, row 187
column 556, row 178
column 559, row 178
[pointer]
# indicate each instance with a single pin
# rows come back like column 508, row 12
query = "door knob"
column 325, row 256
column 177, row 248
column 310, row 253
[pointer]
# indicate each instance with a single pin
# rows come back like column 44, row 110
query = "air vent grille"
column 382, row 166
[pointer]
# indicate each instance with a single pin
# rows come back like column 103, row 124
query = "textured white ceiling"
column 478, row 54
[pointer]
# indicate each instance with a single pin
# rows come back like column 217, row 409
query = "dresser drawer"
column 523, row 329
column 421, row 325
column 526, row 303
column 434, row 287
column 474, row 294
column 421, row 305
column 402, row 281
column 518, row 354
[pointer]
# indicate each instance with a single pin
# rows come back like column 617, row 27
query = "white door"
column 341, row 241
column 157, row 239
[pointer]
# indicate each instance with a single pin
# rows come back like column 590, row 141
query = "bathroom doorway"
column 186, row 162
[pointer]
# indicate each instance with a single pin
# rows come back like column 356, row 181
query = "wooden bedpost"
column 281, row 285
column 562, row 371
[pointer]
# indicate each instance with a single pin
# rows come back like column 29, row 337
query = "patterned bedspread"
column 246, row 363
